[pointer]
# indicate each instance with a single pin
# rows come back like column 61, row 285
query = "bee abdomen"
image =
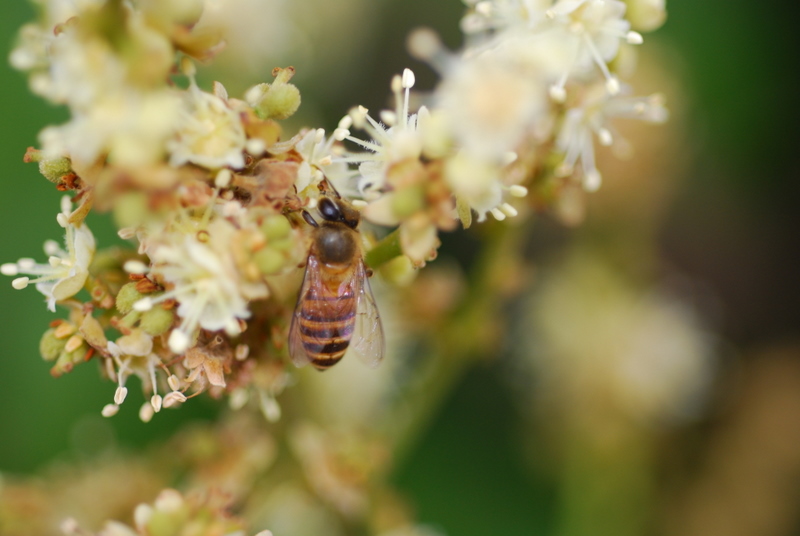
column 326, row 340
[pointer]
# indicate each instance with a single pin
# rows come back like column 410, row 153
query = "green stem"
column 387, row 249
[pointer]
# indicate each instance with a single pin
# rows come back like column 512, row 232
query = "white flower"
column 492, row 101
column 489, row 16
column 595, row 28
column 210, row 133
column 318, row 153
column 130, row 127
column 590, row 119
column 210, row 291
column 589, row 32
column 396, row 139
column 66, row 271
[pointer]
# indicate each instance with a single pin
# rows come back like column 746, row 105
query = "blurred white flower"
column 209, row 134
column 599, row 341
column 590, row 118
column 393, row 139
column 67, row 270
column 205, row 281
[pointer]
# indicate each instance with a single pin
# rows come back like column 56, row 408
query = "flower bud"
column 275, row 228
column 157, row 321
column 278, row 100
column 50, row 346
column 269, row 261
column 126, row 297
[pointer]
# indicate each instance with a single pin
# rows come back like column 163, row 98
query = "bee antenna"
column 310, row 219
column 332, row 188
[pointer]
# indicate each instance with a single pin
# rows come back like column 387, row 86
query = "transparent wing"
column 368, row 342
column 311, row 279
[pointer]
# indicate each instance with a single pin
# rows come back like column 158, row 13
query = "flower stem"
column 385, row 250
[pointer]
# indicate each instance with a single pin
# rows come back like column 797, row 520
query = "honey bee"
column 335, row 309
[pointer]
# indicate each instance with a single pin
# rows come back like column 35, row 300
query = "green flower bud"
column 285, row 244
column 55, row 168
column 157, row 320
column 165, row 523
column 276, row 228
column 51, row 347
column 269, row 261
column 127, row 296
column 278, row 100
column 67, row 360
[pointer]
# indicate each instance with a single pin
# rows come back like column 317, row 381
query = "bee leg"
column 310, row 219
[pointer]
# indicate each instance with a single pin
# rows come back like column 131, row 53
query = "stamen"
column 518, row 190
column 498, row 214
column 604, row 135
column 223, row 178
column 120, row 394
column 254, row 146
column 634, row 38
column 156, row 402
column 241, row 352
column 146, row 412
column 109, row 410
column 145, row 304
column 508, row 210
column 20, row 282
column 174, row 382
column 135, row 267
column 178, row 341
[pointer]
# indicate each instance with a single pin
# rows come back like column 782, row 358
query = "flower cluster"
column 171, row 513
column 211, row 194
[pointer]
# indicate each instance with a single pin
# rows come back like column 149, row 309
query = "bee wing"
column 311, row 279
column 368, row 341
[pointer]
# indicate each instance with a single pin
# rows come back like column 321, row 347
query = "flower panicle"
column 210, row 193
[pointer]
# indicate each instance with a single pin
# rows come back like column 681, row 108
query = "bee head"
column 336, row 210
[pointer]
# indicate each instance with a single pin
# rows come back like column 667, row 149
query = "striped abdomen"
column 326, row 326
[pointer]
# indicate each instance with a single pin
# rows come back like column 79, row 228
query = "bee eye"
column 329, row 210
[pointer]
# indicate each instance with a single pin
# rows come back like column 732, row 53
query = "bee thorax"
column 335, row 245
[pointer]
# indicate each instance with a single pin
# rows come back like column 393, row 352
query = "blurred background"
column 643, row 375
